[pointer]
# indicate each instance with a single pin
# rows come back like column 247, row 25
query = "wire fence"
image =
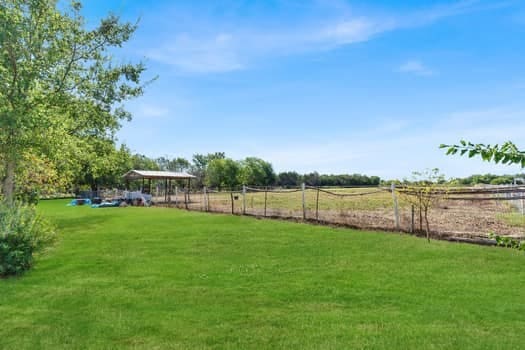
column 463, row 214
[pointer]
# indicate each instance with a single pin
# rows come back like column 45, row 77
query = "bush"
column 22, row 234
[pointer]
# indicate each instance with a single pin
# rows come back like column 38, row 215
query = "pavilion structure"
column 166, row 176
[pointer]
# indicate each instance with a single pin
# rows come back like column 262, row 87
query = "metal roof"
column 151, row 174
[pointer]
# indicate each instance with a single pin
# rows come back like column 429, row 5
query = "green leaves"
column 508, row 153
column 60, row 78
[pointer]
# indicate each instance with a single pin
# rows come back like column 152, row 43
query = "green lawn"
column 156, row 278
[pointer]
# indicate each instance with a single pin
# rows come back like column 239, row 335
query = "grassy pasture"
column 158, row 278
column 292, row 200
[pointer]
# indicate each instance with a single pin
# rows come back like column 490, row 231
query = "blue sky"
column 334, row 86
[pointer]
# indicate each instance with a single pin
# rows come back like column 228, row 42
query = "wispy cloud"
column 215, row 47
column 416, row 67
column 152, row 111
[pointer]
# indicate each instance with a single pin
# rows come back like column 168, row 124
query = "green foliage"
column 200, row 164
column 255, row 171
column 508, row 153
column 22, row 234
column 61, row 91
column 508, row 242
column 223, row 173
column 423, row 192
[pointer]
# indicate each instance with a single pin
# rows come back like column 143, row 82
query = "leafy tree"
column 200, row 164
column 179, row 164
column 289, row 179
column 255, row 171
column 60, row 85
column 142, row 162
column 507, row 153
column 424, row 192
column 223, row 173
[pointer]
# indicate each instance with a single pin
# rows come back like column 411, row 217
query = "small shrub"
column 22, row 234
column 508, row 242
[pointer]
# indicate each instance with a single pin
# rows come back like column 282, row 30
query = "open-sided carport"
column 166, row 176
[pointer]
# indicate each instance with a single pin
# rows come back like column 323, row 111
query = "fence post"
column 243, row 199
column 265, row 199
column 412, row 222
column 205, row 199
column 317, row 205
column 303, row 188
column 396, row 209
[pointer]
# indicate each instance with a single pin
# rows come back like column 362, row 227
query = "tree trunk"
column 8, row 185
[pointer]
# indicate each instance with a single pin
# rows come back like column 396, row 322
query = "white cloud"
column 416, row 67
column 151, row 111
column 200, row 55
column 216, row 47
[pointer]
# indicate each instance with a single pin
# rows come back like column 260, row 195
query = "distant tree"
column 289, row 179
column 142, row 162
column 312, row 179
column 255, row 171
column 163, row 162
column 223, row 173
column 200, row 164
column 179, row 164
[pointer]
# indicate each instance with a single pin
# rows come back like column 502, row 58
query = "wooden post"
column 303, row 189
column 204, row 198
column 396, row 209
column 231, row 196
column 169, row 192
column 189, row 188
column 265, row 200
column 176, row 197
column 317, row 205
column 243, row 199
column 186, row 197
column 420, row 212
column 412, row 222
column 165, row 190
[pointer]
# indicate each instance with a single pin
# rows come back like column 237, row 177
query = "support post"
column 265, row 200
column 165, row 190
column 412, row 227
column 231, row 197
column 169, row 192
column 396, row 209
column 243, row 199
column 176, row 196
column 317, row 205
column 303, row 189
column 205, row 199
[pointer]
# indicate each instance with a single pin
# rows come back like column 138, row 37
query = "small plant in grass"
column 22, row 234
column 508, row 242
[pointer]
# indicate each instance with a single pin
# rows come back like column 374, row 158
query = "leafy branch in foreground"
column 507, row 153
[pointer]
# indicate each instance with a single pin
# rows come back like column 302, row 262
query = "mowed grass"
column 158, row 278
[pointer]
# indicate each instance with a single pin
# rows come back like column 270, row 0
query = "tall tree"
column 255, row 171
column 60, row 85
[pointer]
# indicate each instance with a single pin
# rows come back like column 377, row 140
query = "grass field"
column 158, row 278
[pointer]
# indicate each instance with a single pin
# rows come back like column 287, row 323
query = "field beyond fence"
column 471, row 213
